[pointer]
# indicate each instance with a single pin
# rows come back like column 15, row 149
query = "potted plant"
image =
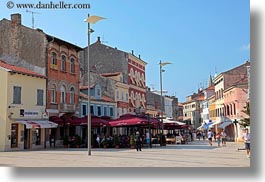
column 116, row 141
column 132, row 141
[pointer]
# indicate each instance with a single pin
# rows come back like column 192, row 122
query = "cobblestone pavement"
column 194, row 154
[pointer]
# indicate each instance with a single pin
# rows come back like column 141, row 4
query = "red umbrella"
column 95, row 121
column 128, row 120
column 57, row 120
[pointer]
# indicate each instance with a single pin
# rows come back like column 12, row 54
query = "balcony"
column 62, row 107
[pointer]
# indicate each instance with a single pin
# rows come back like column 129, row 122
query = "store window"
column 14, row 135
column 36, row 136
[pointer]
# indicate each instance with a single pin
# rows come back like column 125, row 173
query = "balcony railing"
column 66, row 107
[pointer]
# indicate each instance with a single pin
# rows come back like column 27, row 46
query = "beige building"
column 23, row 120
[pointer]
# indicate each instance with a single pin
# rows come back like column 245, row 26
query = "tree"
column 246, row 121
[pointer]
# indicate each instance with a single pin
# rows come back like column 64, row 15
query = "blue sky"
column 200, row 37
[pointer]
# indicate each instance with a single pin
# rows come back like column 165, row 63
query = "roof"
column 62, row 42
column 84, row 87
column 20, row 70
column 103, row 98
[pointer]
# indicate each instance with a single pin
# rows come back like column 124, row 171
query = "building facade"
column 105, row 59
column 23, row 120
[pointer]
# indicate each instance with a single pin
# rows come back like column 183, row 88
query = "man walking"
column 138, row 141
column 246, row 138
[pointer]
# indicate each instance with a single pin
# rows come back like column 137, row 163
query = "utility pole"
column 32, row 16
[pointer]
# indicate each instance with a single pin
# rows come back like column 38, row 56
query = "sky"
column 199, row 37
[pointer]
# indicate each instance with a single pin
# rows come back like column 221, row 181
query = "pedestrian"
column 214, row 135
column 223, row 137
column 98, row 140
column 203, row 135
column 218, row 137
column 210, row 137
column 246, row 138
column 138, row 141
column 147, row 136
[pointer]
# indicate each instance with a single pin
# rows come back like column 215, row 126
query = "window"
column 63, row 94
column 111, row 112
column 84, row 110
column 127, row 97
column 63, row 63
column 99, row 110
column 72, row 65
column 105, row 111
column 122, row 96
column 53, row 58
column 16, row 95
column 40, row 97
column 92, row 109
column 72, row 95
column 53, row 94
column 117, row 95
column 98, row 92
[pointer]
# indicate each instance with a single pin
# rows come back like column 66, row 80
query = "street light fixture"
column 161, row 64
column 89, row 19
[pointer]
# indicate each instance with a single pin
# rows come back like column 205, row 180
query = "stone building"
column 105, row 59
column 45, row 54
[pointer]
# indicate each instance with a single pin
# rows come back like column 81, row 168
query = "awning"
column 129, row 120
column 215, row 123
column 57, row 120
column 201, row 127
column 95, row 121
column 225, row 124
column 38, row 124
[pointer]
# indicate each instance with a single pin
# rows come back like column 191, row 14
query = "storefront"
column 30, row 134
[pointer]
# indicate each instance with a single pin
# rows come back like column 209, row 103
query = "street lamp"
column 89, row 19
column 161, row 93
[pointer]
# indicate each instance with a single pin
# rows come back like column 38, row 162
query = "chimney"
column 15, row 34
column 139, row 56
column 132, row 52
column 99, row 40
column 16, row 19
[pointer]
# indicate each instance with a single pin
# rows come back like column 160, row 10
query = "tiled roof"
column 200, row 98
column 20, row 70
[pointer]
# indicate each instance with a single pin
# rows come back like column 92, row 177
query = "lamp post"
column 89, row 19
column 161, row 64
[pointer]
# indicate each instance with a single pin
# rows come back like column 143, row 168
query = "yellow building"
column 23, row 120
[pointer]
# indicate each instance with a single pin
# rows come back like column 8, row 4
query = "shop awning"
column 38, row 123
column 57, row 120
column 129, row 120
column 214, row 123
column 225, row 124
column 95, row 121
